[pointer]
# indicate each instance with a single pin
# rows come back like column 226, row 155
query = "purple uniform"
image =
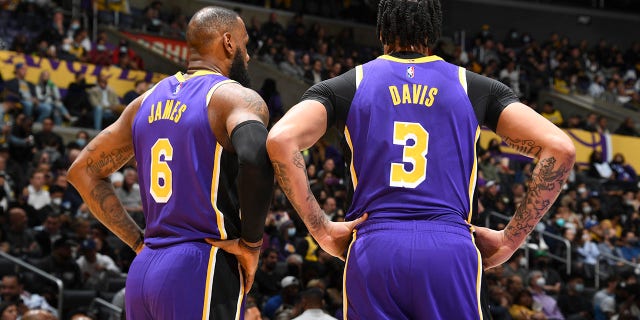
column 187, row 187
column 412, row 132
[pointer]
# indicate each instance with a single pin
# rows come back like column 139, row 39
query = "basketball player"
column 411, row 122
column 199, row 142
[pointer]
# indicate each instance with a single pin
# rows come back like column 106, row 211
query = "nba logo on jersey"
column 411, row 71
column 178, row 87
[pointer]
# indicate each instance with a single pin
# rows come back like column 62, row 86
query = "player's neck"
column 199, row 63
column 395, row 49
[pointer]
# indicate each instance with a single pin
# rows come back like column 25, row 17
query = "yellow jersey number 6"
column 161, row 190
column 414, row 154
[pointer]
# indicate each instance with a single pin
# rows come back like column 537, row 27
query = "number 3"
column 414, row 154
column 160, row 171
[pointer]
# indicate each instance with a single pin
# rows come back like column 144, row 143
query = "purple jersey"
column 412, row 132
column 186, row 194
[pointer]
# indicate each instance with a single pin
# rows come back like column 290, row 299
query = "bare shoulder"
column 238, row 98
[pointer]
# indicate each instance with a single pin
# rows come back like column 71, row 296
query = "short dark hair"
column 410, row 22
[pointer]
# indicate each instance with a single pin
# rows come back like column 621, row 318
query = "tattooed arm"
column 89, row 173
column 532, row 135
column 298, row 130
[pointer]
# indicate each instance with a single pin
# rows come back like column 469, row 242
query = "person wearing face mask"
column 588, row 253
column 547, row 304
column 573, row 302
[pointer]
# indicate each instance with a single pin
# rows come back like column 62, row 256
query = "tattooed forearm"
column 526, row 147
column 292, row 178
column 545, row 185
column 106, row 206
column 298, row 160
column 106, row 163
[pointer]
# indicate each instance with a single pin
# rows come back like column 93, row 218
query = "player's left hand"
column 247, row 256
column 338, row 235
column 493, row 246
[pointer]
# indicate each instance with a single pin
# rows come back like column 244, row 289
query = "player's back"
column 412, row 132
column 186, row 180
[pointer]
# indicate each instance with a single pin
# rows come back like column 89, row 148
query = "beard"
column 238, row 71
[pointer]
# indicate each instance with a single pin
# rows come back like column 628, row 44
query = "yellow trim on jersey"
column 354, row 177
column 345, row 303
column 417, row 60
column 241, row 294
column 181, row 76
column 359, row 75
column 206, row 306
column 462, row 76
column 478, row 277
column 474, row 175
column 215, row 178
column 213, row 89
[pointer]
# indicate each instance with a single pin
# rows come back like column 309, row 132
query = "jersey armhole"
column 462, row 77
column 213, row 89
column 359, row 75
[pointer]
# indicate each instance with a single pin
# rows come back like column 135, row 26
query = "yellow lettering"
column 182, row 109
column 424, row 91
column 151, row 114
column 158, row 111
column 395, row 96
column 175, row 109
column 406, row 94
column 168, row 106
column 432, row 93
column 416, row 92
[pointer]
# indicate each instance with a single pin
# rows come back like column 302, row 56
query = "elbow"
column 277, row 142
column 564, row 150
column 73, row 174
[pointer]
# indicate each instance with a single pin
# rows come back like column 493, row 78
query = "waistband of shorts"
column 461, row 228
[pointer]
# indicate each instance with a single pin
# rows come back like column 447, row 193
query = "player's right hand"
column 247, row 257
column 337, row 236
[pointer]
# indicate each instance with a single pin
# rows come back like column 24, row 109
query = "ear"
column 229, row 46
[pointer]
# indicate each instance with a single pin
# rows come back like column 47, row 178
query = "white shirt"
column 92, row 268
column 36, row 301
column 314, row 314
column 38, row 199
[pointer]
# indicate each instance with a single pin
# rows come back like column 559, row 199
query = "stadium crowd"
column 45, row 222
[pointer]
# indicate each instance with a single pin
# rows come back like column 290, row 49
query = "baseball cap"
column 19, row 65
column 88, row 244
column 289, row 281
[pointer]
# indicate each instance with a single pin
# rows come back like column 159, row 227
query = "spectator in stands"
column 604, row 301
column 510, row 76
column 7, row 117
column 36, row 193
column 141, row 87
column 20, row 237
column 630, row 247
column 596, row 89
column 100, row 234
column 124, row 50
column 129, row 195
column 284, row 301
column 100, row 54
column 522, row 307
column 548, row 304
column 8, row 311
column 61, row 264
column 590, row 122
column 317, row 73
column 272, row 28
column 270, row 94
column 267, row 278
column 23, row 89
column 152, row 22
column 311, row 305
column 105, row 102
column 77, row 101
column 622, row 171
column 602, row 125
column 21, row 44
column 12, row 290
column 55, row 33
column 573, row 301
column 95, row 267
column 46, row 137
column 598, row 167
column 588, row 254
column 552, row 114
column 627, row 128
column 290, row 65
column 39, row 314
column 49, row 232
column 76, row 47
column 50, row 100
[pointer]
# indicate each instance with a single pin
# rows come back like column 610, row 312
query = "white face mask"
column 523, row 262
column 541, row 282
column 586, row 209
column 57, row 201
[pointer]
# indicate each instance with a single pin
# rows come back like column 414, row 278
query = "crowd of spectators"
column 45, row 222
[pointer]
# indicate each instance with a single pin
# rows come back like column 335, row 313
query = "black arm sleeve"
column 336, row 95
column 488, row 97
column 255, row 177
